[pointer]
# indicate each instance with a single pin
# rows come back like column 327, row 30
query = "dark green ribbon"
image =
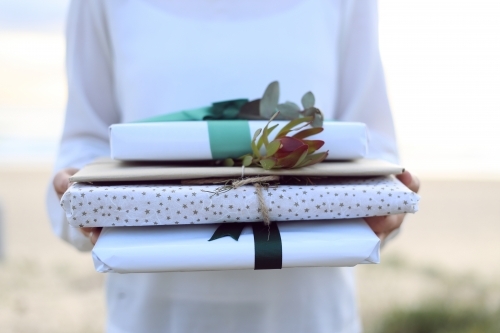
column 267, row 241
column 217, row 111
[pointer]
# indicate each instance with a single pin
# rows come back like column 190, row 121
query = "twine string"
column 234, row 184
column 262, row 204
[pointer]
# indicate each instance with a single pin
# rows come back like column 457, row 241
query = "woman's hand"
column 384, row 225
column 61, row 183
column 92, row 233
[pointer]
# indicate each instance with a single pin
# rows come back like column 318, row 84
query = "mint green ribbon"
column 267, row 241
column 229, row 137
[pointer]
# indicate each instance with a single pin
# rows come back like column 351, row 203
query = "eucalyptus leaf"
column 269, row 100
column 308, row 100
column 247, row 160
column 310, row 111
column 318, row 120
column 316, row 113
column 288, row 111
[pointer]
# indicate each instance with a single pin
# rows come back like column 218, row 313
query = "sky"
column 32, row 15
column 441, row 60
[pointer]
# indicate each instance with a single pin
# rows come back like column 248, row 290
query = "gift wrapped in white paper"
column 93, row 205
column 220, row 139
column 320, row 243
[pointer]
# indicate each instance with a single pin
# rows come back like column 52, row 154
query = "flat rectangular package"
column 108, row 170
column 220, row 139
column 106, row 205
column 321, row 243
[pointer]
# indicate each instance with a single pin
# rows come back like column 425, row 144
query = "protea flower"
column 284, row 151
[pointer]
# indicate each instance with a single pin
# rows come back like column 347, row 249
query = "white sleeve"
column 91, row 105
column 362, row 91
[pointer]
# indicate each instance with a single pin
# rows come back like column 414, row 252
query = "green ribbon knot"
column 225, row 110
column 267, row 241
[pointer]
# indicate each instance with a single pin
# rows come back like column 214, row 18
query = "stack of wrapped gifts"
column 217, row 188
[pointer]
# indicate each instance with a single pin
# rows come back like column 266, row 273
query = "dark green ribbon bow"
column 267, row 240
column 217, row 111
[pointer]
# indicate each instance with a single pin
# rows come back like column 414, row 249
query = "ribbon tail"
column 232, row 230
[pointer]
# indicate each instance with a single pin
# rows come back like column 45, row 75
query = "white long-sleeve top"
column 131, row 59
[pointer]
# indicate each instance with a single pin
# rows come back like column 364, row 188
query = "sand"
column 450, row 247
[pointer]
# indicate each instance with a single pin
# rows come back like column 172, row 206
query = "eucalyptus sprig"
column 283, row 151
column 266, row 107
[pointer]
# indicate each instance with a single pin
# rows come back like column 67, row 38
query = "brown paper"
column 107, row 170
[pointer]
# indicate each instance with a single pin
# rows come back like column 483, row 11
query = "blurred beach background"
column 442, row 64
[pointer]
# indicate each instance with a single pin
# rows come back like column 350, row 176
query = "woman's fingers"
column 92, row 233
column 61, row 180
column 61, row 183
column 384, row 225
column 410, row 181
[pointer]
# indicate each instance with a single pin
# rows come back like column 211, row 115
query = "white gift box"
column 323, row 243
column 203, row 140
column 94, row 205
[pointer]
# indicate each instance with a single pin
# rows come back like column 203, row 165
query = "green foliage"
column 247, row 160
column 270, row 99
column 442, row 318
column 288, row 110
column 284, row 151
column 267, row 106
column 308, row 100
column 292, row 124
column 273, row 147
column 228, row 162
column 268, row 163
column 308, row 132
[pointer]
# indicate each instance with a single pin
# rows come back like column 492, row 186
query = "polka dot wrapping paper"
column 91, row 205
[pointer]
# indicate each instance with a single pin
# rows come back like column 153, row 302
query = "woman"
column 131, row 59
